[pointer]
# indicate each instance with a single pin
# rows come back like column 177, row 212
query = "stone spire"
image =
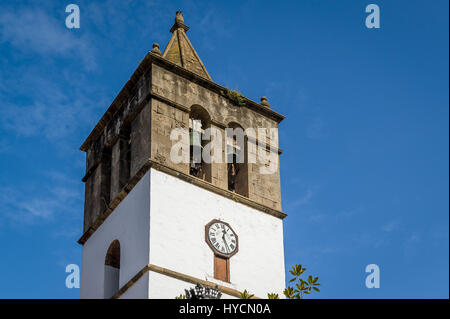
column 180, row 51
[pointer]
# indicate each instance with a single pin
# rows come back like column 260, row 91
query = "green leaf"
column 245, row 295
column 236, row 97
column 297, row 270
column 289, row 292
column 302, row 286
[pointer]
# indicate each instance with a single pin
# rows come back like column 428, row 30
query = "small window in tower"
column 112, row 270
column 106, row 178
column 125, row 155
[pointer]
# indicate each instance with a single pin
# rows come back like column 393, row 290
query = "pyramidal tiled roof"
column 180, row 51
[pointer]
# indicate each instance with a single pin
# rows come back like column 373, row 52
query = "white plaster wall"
column 129, row 223
column 139, row 290
column 164, row 287
column 179, row 213
column 111, row 282
column 162, row 222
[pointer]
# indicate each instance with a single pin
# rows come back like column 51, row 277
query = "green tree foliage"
column 302, row 287
column 236, row 97
column 246, row 295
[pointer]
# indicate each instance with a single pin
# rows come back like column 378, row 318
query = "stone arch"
column 112, row 269
column 197, row 167
column 237, row 160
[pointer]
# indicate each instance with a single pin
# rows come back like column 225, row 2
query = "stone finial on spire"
column 156, row 49
column 179, row 16
column 264, row 101
column 179, row 22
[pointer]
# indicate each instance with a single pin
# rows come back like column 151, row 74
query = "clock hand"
column 225, row 242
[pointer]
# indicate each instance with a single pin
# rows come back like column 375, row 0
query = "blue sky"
column 365, row 165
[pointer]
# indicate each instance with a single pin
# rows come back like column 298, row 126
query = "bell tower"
column 153, row 225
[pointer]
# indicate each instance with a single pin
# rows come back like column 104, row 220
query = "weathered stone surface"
column 93, row 203
column 140, row 139
column 180, row 51
column 183, row 91
column 263, row 188
column 115, row 155
column 157, row 99
column 164, row 119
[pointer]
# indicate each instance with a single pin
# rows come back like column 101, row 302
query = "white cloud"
column 340, row 217
column 315, row 129
column 390, row 226
column 414, row 238
column 317, row 218
column 41, row 105
column 304, row 199
column 35, row 31
column 29, row 204
column 349, row 213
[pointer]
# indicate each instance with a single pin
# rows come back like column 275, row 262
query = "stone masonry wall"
column 263, row 188
column 159, row 102
column 135, row 112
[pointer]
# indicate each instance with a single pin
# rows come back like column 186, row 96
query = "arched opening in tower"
column 199, row 121
column 237, row 160
column 112, row 270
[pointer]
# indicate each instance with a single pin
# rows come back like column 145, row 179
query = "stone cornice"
column 188, row 178
column 176, row 275
column 143, row 67
column 213, row 86
column 169, row 102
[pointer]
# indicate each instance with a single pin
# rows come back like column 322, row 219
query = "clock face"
column 221, row 238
